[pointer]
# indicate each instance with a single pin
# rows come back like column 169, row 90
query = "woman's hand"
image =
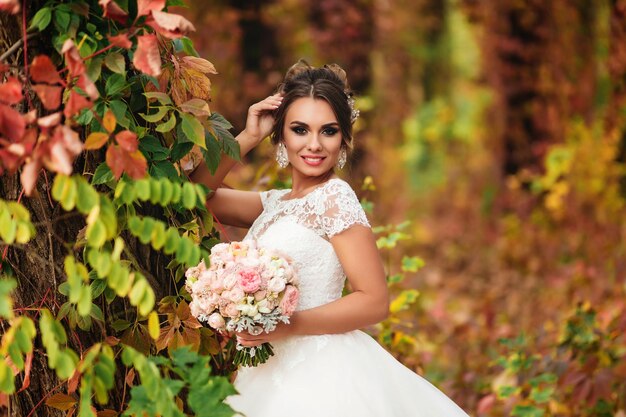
column 260, row 119
column 248, row 340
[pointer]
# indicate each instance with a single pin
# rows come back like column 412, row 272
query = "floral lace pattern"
column 301, row 229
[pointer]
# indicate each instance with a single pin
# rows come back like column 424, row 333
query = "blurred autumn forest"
column 490, row 155
column 498, row 130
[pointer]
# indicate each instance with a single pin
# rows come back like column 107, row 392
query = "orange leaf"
column 197, row 83
column 11, row 91
column 107, row 413
column 42, row 70
column 75, row 104
column 144, row 7
column 178, row 92
column 61, row 402
column 147, row 58
column 130, row 377
column 72, row 383
column 113, row 11
column 109, row 121
column 49, row 95
column 199, row 64
column 196, row 106
column 127, row 140
column 169, row 25
column 96, row 140
column 121, row 41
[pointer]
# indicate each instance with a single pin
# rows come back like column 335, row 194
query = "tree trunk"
column 38, row 266
column 539, row 59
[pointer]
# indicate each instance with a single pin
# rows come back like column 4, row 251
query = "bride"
column 323, row 365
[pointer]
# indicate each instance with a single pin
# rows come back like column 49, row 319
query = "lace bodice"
column 301, row 228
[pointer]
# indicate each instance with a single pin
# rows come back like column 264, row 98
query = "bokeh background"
column 491, row 145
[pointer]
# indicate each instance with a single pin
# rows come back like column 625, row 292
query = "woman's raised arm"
column 234, row 207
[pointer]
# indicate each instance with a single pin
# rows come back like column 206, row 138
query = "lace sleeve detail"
column 342, row 210
column 268, row 198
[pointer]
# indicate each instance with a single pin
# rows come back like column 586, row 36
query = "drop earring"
column 343, row 157
column 281, row 155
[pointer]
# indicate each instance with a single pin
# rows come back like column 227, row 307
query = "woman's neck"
column 302, row 185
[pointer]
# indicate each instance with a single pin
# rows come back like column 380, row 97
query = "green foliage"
column 15, row 224
column 164, row 380
column 140, row 138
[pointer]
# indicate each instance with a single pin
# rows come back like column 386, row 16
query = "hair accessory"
column 354, row 113
column 281, row 155
column 343, row 157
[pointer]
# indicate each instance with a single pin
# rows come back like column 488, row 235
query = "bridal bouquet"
column 245, row 288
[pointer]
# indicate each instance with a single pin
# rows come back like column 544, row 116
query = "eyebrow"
column 299, row 123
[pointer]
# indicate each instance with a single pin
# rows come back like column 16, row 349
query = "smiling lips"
column 313, row 160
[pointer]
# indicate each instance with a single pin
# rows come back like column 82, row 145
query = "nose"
column 314, row 144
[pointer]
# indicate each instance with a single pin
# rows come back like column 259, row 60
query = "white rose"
column 276, row 285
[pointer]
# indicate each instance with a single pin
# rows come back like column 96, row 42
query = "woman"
column 323, row 365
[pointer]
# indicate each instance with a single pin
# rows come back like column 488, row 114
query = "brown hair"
column 327, row 83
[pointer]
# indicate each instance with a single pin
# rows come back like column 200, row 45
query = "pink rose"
column 259, row 295
column 289, row 301
column 195, row 309
column 216, row 321
column 249, row 280
column 230, row 310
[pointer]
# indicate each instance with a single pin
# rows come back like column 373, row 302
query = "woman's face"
column 312, row 137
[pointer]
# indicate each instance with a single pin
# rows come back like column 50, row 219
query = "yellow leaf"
column 153, row 325
column 96, row 140
column 109, row 121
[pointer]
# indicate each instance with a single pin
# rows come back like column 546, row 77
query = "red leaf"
column 42, row 70
column 147, row 58
column 121, row 41
column 75, row 104
column 127, row 140
column 144, row 7
column 169, row 25
column 29, row 175
column 27, row 368
column 87, row 86
column 12, row 125
column 120, row 161
column 11, row 91
column 58, row 153
column 49, row 95
column 10, row 6
column 50, row 120
column 74, row 62
column 113, row 11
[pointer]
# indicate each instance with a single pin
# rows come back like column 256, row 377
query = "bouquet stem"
column 252, row 356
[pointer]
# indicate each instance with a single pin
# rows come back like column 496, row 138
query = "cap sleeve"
column 342, row 210
column 268, row 198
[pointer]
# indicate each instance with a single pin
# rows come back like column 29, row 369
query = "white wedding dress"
column 335, row 375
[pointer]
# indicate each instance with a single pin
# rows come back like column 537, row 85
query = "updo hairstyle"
column 327, row 83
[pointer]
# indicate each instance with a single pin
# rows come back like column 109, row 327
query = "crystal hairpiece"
column 354, row 113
